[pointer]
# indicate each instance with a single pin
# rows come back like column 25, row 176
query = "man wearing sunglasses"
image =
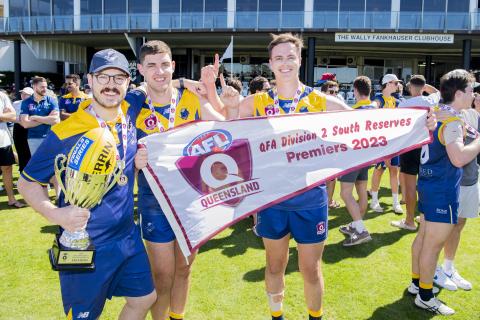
column 69, row 103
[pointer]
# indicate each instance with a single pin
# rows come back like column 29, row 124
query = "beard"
column 111, row 102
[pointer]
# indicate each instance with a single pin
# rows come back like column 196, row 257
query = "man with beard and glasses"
column 38, row 113
column 121, row 262
column 69, row 102
column 164, row 107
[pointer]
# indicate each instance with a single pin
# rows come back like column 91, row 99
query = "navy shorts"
column 121, row 269
column 394, row 162
column 305, row 226
column 444, row 213
column 354, row 176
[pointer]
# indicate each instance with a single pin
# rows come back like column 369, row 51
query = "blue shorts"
column 306, row 226
column 444, row 213
column 394, row 162
column 155, row 226
column 121, row 269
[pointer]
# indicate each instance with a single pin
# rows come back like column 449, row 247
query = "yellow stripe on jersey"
column 82, row 95
column 390, row 102
column 80, row 121
column 315, row 101
column 362, row 103
column 32, row 179
column 188, row 110
column 442, row 127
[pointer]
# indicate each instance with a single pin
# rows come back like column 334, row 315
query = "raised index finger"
column 222, row 81
column 216, row 64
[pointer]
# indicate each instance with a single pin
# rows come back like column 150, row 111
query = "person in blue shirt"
column 121, row 262
column 38, row 113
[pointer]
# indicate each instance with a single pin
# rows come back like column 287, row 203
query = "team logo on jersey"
column 184, row 114
column 219, row 169
column 31, row 107
column 321, row 228
column 304, row 109
column 150, row 122
column 68, row 101
column 270, row 110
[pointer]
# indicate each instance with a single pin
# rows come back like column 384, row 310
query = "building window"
column 458, row 6
column 40, row 8
column 171, row 6
column 378, row 5
column 216, row 5
column 434, row 5
column 115, row 7
column 140, row 6
column 62, row 7
column 352, row 5
column 18, row 8
column 192, row 6
column 288, row 5
column 325, row 5
column 247, row 5
column 269, row 5
column 91, row 7
column 411, row 5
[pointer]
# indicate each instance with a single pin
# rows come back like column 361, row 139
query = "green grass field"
column 363, row 282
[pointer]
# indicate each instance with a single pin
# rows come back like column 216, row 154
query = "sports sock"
column 374, row 196
column 395, row 198
column 315, row 315
column 416, row 279
column 448, row 266
column 175, row 316
column 277, row 315
column 358, row 225
column 426, row 291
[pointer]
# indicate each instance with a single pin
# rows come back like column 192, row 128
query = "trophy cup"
column 90, row 171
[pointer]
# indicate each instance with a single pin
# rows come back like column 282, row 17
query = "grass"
column 363, row 282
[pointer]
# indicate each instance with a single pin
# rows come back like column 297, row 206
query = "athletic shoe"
column 402, row 225
column 397, row 208
column 459, row 281
column 413, row 289
column 441, row 280
column 434, row 305
column 347, row 229
column 417, row 219
column 375, row 206
column 357, row 238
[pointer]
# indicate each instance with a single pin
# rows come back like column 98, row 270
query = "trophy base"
column 68, row 259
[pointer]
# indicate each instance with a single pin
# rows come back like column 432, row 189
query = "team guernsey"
column 155, row 226
column 121, row 263
column 305, row 216
column 70, row 103
column 438, row 180
column 363, row 104
column 387, row 102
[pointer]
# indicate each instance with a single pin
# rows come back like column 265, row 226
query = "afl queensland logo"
column 150, row 122
column 218, row 168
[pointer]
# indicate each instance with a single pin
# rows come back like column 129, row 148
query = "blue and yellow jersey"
column 310, row 101
column 438, row 178
column 113, row 218
column 69, row 103
column 188, row 110
column 42, row 108
column 363, row 104
column 386, row 102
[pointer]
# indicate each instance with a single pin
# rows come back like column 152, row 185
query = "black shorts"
column 410, row 162
column 6, row 156
column 354, row 176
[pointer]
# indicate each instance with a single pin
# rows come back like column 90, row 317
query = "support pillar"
column 311, row 61
column 189, row 74
column 428, row 69
column 17, row 53
column 467, row 53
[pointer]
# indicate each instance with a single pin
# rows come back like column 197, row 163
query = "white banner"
column 394, row 37
column 208, row 175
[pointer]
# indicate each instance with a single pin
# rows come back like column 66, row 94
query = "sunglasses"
column 333, row 91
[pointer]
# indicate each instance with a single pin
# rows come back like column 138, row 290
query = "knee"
column 311, row 273
column 345, row 194
column 163, row 279
column 183, row 271
column 276, row 267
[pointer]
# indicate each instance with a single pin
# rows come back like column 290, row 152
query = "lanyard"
column 471, row 131
column 293, row 105
column 123, row 133
column 172, row 110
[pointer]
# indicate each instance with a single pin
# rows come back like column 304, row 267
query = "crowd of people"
column 157, row 278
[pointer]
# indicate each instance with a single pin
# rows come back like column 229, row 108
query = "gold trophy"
column 90, row 171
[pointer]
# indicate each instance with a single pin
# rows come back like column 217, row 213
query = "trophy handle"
column 114, row 177
column 59, row 166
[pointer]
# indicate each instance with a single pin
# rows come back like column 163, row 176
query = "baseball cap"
column 389, row 77
column 108, row 58
column 27, row 90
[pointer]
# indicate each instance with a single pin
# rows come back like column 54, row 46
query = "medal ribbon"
column 293, row 105
column 471, row 131
column 172, row 110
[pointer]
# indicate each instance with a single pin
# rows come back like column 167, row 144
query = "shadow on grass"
column 259, row 274
column 403, row 308
column 335, row 252
column 54, row 229
column 237, row 242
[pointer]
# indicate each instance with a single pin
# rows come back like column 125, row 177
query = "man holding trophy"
column 100, row 253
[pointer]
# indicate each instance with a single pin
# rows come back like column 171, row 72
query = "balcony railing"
column 271, row 20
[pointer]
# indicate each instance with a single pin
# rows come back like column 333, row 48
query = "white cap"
column 27, row 90
column 389, row 78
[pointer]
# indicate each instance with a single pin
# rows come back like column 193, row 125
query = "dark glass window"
column 411, row 5
column 288, row 5
column 40, row 8
column 352, row 5
column 247, row 5
column 216, row 5
column 18, row 8
column 269, row 5
column 459, row 6
column 115, row 6
column 140, row 6
column 434, row 5
column 91, row 7
column 325, row 5
column 62, row 7
column 169, row 6
column 378, row 5
column 192, row 5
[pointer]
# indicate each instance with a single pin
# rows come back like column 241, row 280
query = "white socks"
column 358, row 225
column 448, row 266
column 374, row 196
column 395, row 198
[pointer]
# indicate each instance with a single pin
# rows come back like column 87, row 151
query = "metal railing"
column 271, row 20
